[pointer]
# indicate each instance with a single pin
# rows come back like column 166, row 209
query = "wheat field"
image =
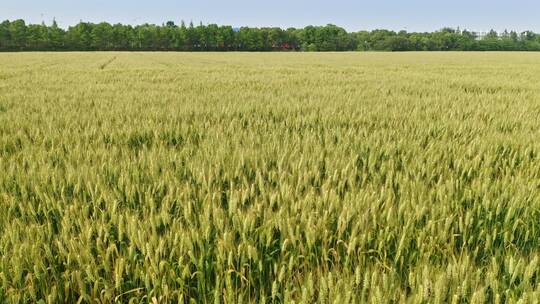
column 269, row 177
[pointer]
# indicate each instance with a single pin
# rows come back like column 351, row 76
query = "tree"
column 492, row 34
column 37, row 37
column 17, row 33
column 398, row 43
column 101, row 36
column 225, row 38
column 79, row 37
column 179, row 38
column 192, row 38
column 56, row 36
column 250, row 39
column 146, row 37
column 5, row 36
column 363, row 40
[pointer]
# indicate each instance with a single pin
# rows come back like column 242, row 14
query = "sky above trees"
column 412, row 15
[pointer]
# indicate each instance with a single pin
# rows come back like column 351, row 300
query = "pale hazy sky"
column 413, row 15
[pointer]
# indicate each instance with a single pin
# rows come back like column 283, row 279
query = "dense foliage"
column 269, row 178
column 18, row 36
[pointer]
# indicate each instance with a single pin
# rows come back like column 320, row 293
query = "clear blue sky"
column 413, row 15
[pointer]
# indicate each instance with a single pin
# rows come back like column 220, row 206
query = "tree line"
column 17, row 35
